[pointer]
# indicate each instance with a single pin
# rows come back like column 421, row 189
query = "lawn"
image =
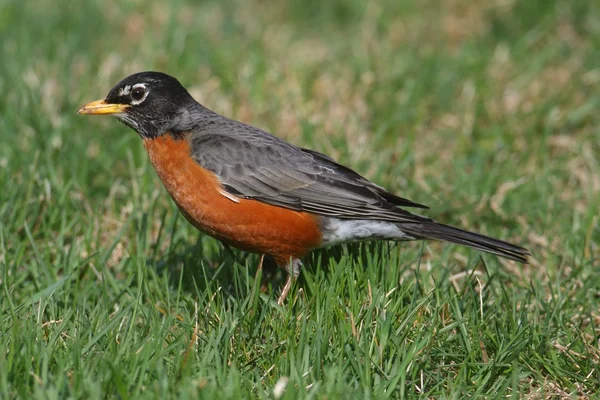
column 487, row 111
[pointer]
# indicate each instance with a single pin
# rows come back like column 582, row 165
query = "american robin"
column 259, row 193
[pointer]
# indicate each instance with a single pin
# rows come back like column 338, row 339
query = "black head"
column 152, row 103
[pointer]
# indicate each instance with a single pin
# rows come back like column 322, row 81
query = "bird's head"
column 151, row 103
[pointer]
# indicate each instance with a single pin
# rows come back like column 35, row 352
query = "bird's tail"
column 437, row 231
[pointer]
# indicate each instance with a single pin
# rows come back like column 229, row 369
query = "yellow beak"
column 101, row 107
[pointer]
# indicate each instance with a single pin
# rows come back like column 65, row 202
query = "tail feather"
column 448, row 233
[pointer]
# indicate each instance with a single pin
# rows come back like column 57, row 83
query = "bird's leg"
column 293, row 270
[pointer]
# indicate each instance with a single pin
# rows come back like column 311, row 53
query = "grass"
column 485, row 111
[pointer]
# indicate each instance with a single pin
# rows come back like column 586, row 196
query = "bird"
column 255, row 191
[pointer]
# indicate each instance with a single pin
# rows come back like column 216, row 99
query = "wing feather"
column 252, row 164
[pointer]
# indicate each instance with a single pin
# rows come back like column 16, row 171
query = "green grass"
column 485, row 111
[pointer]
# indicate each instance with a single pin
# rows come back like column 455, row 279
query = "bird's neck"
column 191, row 116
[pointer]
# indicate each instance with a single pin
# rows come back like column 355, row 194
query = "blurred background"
column 487, row 111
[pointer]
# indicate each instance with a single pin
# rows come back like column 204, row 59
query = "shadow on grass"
column 207, row 266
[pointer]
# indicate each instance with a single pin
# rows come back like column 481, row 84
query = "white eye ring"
column 134, row 101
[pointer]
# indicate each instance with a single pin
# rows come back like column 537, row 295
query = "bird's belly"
column 246, row 224
column 337, row 230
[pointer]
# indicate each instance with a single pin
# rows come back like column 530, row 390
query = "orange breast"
column 246, row 224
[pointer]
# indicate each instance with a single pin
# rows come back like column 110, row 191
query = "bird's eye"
column 137, row 93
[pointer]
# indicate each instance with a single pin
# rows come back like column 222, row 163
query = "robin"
column 259, row 193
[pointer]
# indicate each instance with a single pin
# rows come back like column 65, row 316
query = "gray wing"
column 252, row 164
